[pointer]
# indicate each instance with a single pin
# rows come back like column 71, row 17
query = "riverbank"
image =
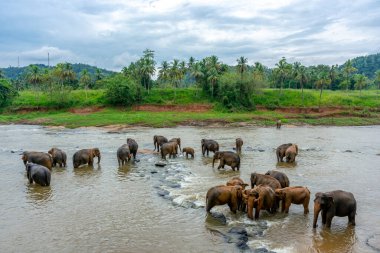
column 188, row 106
column 190, row 115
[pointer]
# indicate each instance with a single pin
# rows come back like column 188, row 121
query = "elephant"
column 85, row 156
column 168, row 148
column 123, row 154
column 278, row 124
column 239, row 144
column 257, row 179
column 281, row 177
column 188, row 151
column 236, row 181
column 158, row 140
column 222, row 194
column 38, row 173
column 260, row 197
column 209, row 145
column 291, row 153
column 178, row 141
column 335, row 203
column 41, row 158
column 133, row 147
column 280, row 151
column 293, row 195
column 227, row 157
column 59, row 157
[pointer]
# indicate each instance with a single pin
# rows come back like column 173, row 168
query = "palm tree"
column 197, row 73
column 348, row 69
column 68, row 73
column 98, row 74
column 282, row 71
column 295, row 71
column 174, row 75
column 302, row 77
column 163, row 73
column 323, row 79
column 191, row 63
column 182, row 70
column 241, row 66
column 34, row 75
column 85, row 80
column 361, row 81
column 213, row 78
column 258, row 72
column 332, row 74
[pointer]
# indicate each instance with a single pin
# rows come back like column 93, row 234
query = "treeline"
column 231, row 86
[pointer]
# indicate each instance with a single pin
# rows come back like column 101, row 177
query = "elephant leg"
column 287, row 206
column 329, row 217
column 306, row 207
column 257, row 212
column 283, row 205
column 351, row 218
column 323, row 217
column 207, row 152
column 220, row 165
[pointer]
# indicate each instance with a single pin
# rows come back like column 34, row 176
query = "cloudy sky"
column 112, row 33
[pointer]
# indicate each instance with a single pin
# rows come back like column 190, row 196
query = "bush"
column 122, row 90
column 7, row 92
column 236, row 94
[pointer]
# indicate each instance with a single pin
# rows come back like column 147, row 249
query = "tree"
column 302, row 78
column 34, row 76
column 182, row 70
column 98, row 74
column 147, row 67
column 377, row 78
column 164, row 72
column 360, row 82
column 332, row 74
column 122, row 90
column 175, row 75
column 241, row 66
column 323, row 79
column 258, row 72
column 295, row 71
column 348, row 69
column 85, row 80
column 213, row 78
column 7, row 92
column 282, row 71
column 2, row 74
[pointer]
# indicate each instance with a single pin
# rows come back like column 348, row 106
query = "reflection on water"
column 38, row 195
column 337, row 240
column 143, row 208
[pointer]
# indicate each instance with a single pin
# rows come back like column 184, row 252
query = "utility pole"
column 48, row 60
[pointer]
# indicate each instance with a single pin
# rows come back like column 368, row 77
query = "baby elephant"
column 296, row 194
column 221, row 195
column 59, row 157
column 239, row 144
column 38, row 173
column 85, row 156
column 227, row 157
column 188, row 151
column 123, row 155
column 278, row 124
column 291, row 153
column 280, row 151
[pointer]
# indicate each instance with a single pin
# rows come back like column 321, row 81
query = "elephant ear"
column 296, row 149
column 318, row 195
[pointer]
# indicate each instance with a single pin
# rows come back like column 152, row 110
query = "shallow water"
column 143, row 208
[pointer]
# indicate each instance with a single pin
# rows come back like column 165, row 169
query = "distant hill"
column 14, row 72
column 367, row 65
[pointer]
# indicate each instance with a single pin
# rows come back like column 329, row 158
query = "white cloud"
column 111, row 33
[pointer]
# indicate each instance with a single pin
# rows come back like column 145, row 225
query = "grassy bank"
column 355, row 109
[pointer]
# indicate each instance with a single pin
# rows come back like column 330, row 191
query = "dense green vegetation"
column 231, row 88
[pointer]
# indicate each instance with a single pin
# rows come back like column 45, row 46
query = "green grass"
column 76, row 98
column 271, row 98
column 369, row 102
column 113, row 116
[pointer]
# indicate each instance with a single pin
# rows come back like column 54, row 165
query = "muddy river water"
column 143, row 208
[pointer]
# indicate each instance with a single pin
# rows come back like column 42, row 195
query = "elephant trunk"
column 213, row 161
column 317, row 209
column 99, row 158
column 250, row 208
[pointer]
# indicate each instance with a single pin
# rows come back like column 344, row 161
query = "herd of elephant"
column 266, row 193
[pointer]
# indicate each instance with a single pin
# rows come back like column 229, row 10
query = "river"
column 143, row 208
